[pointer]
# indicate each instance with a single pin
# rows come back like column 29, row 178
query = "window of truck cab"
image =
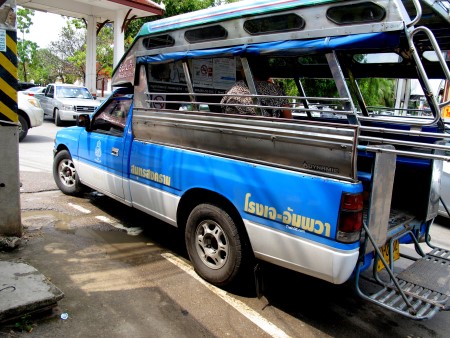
column 112, row 116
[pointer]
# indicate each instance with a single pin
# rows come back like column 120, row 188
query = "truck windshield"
column 73, row 92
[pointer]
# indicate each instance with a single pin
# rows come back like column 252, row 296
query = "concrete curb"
column 23, row 289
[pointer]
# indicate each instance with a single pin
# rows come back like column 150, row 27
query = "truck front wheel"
column 215, row 244
column 58, row 121
column 65, row 174
column 23, row 127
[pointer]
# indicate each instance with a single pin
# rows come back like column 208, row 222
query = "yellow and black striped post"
column 10, row 219
column 8, row 75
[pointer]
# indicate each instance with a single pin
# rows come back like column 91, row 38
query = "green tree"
column 175, row 7
column 105, row 53
column 70, row 50
column 26, row 50
column 378, row 91
column 46, row 68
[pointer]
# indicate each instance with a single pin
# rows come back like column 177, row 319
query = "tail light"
column 350, row 218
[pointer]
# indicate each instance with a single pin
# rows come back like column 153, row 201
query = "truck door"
column 101, row 150
column 46, row 99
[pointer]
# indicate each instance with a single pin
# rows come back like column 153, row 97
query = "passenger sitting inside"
column 263, row 87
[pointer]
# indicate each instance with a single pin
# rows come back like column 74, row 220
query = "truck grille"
column 84, row 109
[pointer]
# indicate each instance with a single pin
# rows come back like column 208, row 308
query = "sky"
column 45, row 29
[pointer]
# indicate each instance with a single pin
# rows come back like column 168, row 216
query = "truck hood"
column 79, row 102
column 69, row 138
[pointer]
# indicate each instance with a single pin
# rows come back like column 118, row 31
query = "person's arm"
column 286, row 113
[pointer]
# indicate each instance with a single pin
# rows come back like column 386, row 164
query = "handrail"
column 418, row 14
column 405, row 132
column 310, row 98
column 293, row 109
column 404, row 153
column 438, row 52
column 428, row 146
column 423, row 75
column 373, row 108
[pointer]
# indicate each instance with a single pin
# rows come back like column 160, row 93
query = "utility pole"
column 10, row 220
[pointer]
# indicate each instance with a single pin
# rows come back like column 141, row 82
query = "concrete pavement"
column 23, row 289
column 119, row 285
column 114, row 284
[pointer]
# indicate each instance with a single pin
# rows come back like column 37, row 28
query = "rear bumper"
column 36, row 116
column 302, row 255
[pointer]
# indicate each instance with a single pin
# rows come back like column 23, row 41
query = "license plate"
column 385, row 252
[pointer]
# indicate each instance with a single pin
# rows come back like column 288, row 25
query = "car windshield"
column 73, row 92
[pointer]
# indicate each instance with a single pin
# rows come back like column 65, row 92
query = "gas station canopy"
column 96, row 13
column 101, row 9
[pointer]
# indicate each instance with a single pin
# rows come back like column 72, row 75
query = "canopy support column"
column 119, row 37
column 91, row 55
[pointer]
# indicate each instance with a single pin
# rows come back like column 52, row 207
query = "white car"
column 34, row 90
column 30, row 113
column 63, row 102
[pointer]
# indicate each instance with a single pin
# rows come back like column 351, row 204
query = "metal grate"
column 431, row 272
column 84, row 109
column 426, row 302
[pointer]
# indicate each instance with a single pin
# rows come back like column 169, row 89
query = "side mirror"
column 83, row 120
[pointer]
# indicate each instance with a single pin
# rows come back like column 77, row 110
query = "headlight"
column 68, row 107
column 34, row 102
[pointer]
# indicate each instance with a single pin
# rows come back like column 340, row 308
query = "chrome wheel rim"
column 212, row 244
column 67, row 172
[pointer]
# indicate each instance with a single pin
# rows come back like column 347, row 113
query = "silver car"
column 63, row 102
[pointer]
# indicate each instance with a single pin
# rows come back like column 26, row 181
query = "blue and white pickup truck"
column 333, row 198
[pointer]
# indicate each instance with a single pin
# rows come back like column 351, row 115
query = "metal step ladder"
column 419, row 291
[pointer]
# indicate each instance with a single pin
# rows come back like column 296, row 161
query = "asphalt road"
column 126, row 274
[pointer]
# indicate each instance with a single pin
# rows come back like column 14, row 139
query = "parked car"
column 30, row 113
column 25, row 85
column 34, row 90
column 445, row 190
column 64, row 102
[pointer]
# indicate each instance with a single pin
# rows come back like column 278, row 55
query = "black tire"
column 58, row 121
column 23, row 128
column 216, row 246
column 65, row 174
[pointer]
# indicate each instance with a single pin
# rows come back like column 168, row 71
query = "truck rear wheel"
column 215, row 244
column 65, row 174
